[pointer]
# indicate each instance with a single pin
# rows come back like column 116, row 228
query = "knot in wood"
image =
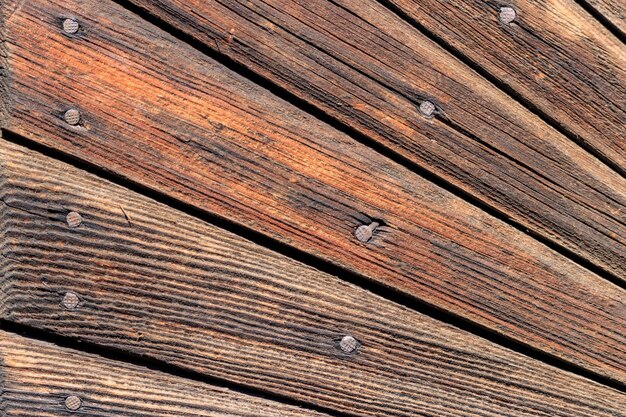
column 427, row 108
column 507, row 14
column 349, row 344
column 72, row 117
column 70, row 26
column 70, row 301
column 73, row 219
column 73, row 402
column 365, row 232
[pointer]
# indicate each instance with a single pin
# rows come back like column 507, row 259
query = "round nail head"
column 73, row 403
column 70, row 26
column 507, row 14
column 73, row 219
column 349, row 344
column 427, row 108
column 70, row 300
column 363, row 233
column 72, row 117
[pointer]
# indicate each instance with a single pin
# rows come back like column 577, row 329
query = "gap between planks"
column 289, row 251
column 214, row 52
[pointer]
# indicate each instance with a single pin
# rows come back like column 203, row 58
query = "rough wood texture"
column 363, row 65
column 167, row 117
column 613, row 11
column 148, row 279
column 555, row 55
column 36, row 378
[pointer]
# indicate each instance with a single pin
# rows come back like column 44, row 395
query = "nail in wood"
column 70, row 26
column 427, row 108
column 70, row 301
column 507, row 14
column 73, row 219
column 72, row 117
column 364, row 232
column 349, row 344
column 73, row 403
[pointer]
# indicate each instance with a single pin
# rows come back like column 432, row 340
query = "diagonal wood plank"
column 165, row 116
column 612, row 11
column 139, row 276
column 363, row 65
column 553, row 54
column 39, row 379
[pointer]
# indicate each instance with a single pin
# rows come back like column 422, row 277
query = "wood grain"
column 554, row 55
column 36, row 378
column 613, row 11
column 164, row 285
column 364, row 66
column 165, row 116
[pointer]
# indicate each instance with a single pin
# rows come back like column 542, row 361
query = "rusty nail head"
column 73, row 402
column 507, row 14
column 427, row 108
column 349, row 344
column 70, row 26
column 70, row 300
column 73, row 219
column 72, row 117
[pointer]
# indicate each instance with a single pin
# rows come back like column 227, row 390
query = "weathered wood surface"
column 554, row 55
column 363, row 65
column 611, row 10
column 169, row 118
column 145, row 278
column 37, row 378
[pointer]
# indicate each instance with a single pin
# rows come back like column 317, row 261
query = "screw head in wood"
column 73, row 219
column 70, row 301
column 73, row 402
column 349, row 344
column 70, row 26
column 72, row 117
column 427, row 108
column 507, row 14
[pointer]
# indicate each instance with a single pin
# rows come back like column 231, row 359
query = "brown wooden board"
column 167, row 117
column 39, row 379
column 363, row 65
column 554, row 55
column 138, row 276
column 611, row 10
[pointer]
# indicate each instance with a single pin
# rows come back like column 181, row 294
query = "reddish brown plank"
column 144, row 278
column 363, row 65
column 39, row 379
column 165, row 116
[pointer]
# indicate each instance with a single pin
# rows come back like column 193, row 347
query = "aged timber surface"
column 613, row 11
column 37, row 378
column 139, row 276
column 165, row 116
column 554, row 55
column 363, row 65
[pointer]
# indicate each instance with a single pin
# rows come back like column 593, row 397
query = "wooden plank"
column 167, row 117
column 363, row 65
column 554, row 55
column 145, row 278
column 40, row 379
column 613, row 11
